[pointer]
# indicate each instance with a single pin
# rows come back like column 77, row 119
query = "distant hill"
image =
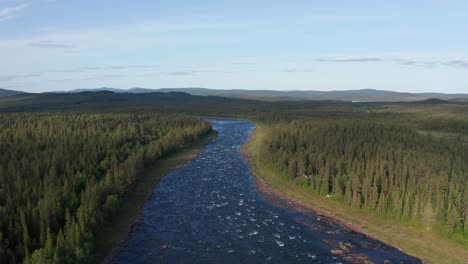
column 112, row 101
column 186, row 103
column 363, row 95
column 433, row 101
column 5, row 92
column 135, row 90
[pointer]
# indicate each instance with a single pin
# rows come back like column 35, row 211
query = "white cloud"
column 11, row 12
column 48, row 44
column 88, row 69
column 454, row 63
column 405, row 60
column 352, row 59
column 297, row 70
column 457, row 63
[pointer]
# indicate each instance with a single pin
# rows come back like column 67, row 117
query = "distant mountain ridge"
column 5, row 92
column 363, row 95
column 110, row 89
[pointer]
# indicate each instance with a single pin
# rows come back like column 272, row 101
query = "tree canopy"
column 63, row 175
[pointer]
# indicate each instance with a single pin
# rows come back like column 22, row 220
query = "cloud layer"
column 455, row 63
column 11, row 12
column 49, row 44
column 352, row 59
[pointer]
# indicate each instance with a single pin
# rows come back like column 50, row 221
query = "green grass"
column 112, row 234
column 428, row 246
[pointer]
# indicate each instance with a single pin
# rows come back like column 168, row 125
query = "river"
column 209, row 211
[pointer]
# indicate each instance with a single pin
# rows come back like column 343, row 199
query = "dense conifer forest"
column 65, row 165
column 388, row 164
column 63, row 175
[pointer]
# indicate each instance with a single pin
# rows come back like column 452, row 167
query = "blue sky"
column 413, row 46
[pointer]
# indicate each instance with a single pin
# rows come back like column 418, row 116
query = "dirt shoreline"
column 280, row 198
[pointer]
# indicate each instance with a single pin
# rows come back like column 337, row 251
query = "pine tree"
column 428, row 215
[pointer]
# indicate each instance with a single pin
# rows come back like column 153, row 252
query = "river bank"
column 210, row 211
column 426, row 245
column 111, row 237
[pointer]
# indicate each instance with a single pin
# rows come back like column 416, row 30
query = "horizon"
column 98, row 89
column 417, row 47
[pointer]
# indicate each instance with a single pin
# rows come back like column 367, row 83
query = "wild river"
column 210, row 211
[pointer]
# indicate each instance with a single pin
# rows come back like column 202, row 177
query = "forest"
column 63, row 175
column 67, row 161
column 399, row 162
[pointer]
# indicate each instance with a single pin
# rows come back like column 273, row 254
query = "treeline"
column 448, row 124
column 390, row 170
column 62, row 176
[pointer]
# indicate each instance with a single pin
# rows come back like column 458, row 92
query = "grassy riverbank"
column 426, row 245
column 129, row 211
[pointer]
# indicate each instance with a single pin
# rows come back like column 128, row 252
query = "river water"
column 209, row 211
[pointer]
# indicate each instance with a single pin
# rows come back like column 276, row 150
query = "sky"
column 411, row 46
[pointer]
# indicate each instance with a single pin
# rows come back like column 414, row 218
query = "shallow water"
column 209, row 211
